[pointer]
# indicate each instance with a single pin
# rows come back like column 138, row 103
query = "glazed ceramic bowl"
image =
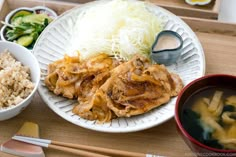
column 217, row 80
column 198, row 2
column 28, row 59
column 168, row 55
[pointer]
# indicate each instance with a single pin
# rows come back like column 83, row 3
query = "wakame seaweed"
column 192, row 124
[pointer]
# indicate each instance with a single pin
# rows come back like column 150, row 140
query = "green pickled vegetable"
column 20, row 14
column 30, row 29
column 25, row 40
column 32, row 18
column 36, row 18
column 25, row 27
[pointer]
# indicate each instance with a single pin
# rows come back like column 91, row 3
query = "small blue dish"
column 167, row 47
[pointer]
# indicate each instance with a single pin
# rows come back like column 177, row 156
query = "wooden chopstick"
column 57, row 144
column 75, row 151
column 57, row 147
column 106, row 151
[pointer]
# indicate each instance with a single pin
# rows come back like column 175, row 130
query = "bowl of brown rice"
column 19, row 78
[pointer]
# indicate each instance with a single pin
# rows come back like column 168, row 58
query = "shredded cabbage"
column 118, row 27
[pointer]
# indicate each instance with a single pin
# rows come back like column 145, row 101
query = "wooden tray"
column 179, row 7
column 218, row 41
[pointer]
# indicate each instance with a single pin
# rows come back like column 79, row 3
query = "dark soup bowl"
column 205, row 115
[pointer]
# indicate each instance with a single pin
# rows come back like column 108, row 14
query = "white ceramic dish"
column 28, row 59
column 36, row 10
column 55, row 41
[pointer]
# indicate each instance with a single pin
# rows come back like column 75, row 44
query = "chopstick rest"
column 24, row 149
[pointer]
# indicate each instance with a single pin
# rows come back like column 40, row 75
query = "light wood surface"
column 162, row 140
column 218, row 41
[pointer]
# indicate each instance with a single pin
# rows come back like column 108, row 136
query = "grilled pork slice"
column 60, row 80
column 137, row 86
column 89, row 106
column 107, row 88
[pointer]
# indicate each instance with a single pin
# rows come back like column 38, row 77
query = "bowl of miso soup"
column 205, row 115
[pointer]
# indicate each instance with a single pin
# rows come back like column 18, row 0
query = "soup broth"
column 209, row 116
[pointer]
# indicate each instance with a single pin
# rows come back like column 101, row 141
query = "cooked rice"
column 15, row 81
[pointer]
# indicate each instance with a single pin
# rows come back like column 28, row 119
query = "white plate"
column 55, row 41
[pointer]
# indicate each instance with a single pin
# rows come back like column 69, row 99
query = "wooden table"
column 158, row 140
column 219, row 43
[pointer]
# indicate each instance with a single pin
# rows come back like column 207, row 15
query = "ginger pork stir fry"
column 107, row 88
column 72, row 78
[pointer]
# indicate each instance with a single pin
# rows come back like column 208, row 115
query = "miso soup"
column 209, row 116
